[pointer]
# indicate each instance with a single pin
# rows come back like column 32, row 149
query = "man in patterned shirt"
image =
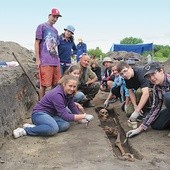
column 158, row 118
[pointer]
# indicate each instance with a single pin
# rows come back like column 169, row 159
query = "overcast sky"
column 98, row 23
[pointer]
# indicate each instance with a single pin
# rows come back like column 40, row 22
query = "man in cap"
column 46, row 51
column 157, row 118
column 67, row 48
column 81, row 48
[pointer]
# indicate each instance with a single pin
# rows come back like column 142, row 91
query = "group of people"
column 53, row 51
column 74, row 86
column 144, row 92
column 63, row 103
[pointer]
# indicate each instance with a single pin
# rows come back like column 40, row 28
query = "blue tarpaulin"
column 137, row 48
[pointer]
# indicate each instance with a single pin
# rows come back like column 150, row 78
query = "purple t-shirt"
column 55, row 102
column 49, row 41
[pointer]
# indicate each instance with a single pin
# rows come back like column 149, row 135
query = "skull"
column 103, row 114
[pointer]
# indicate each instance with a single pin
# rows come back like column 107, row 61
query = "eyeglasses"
column 124, row 71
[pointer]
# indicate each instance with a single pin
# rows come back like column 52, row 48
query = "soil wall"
column 17, row 96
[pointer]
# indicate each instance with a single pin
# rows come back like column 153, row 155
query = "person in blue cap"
column 66, row 48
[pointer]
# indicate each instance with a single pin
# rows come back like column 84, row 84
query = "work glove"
column 134, row 116
column 106, row 103
column 132, row 133
column 89, row 117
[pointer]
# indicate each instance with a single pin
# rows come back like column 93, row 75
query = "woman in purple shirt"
column 50, row 115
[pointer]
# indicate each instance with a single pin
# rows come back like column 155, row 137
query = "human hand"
column 134, row 116
column 132, row 133
column 80, row 107
column 106, row 103
column 83, row 121
column 89, row 117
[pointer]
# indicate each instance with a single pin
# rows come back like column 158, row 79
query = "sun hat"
column 70, row 28
column 151, row 68
column 107, row 59
column 55, row 12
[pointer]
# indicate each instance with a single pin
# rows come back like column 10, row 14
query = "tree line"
column 160, row 52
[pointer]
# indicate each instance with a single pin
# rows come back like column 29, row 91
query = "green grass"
column 160, row 59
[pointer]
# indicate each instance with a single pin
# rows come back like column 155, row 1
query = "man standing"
column 138, row 88
column 46, row 51
column 88, row 80
column 81, row 48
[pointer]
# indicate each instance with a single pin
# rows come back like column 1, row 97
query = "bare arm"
column 143, row 99
column 132, row 97
column 92, row 80
column 109, row 96
column 37, row 52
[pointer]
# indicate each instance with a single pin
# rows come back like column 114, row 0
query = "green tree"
column 131, row 40
column 96, row 52
column 162, row 51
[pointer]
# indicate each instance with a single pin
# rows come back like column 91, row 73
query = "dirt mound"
column 123, row 55
column 23, row 54
column 167, row 65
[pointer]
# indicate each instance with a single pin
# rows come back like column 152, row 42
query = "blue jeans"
column 64, row 67
column 46, row 125
column 163, row 120
column 78, row 97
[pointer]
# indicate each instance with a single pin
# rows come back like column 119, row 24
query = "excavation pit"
column 110, row 123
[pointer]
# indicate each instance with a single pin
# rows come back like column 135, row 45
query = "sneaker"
column 19, row 132
column 28, row 125
column 140, row 118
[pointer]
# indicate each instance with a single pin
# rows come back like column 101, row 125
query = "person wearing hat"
column 46, row 51
column 107, row 78
column 158, row 119
column 66, row 48
column 81, row 48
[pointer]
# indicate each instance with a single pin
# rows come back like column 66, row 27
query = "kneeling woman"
column 50, row 115
column 157, row 118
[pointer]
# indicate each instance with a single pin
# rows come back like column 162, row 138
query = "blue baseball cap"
column 70, row 28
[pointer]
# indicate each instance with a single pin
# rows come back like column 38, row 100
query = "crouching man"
column 88, row 80
column 138, row 88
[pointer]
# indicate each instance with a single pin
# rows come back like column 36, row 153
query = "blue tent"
column 137, row 48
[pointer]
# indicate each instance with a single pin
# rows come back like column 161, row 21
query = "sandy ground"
column 85, row 148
